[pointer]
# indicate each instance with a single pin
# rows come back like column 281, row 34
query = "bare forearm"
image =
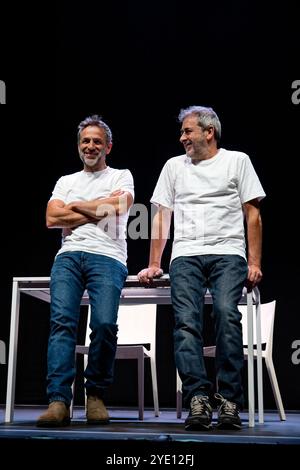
column 104, row 207
column 66, row 218
column 60, row 215
column 254, row 234
column 159, row 236
column 254, row 239
column 156, row 250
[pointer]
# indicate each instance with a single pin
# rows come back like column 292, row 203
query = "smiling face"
column 195, row 139
column 93, row 148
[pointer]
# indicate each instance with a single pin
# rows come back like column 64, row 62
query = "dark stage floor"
column 155, row 441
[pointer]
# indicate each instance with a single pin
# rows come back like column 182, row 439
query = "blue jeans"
column 103, row 277
column 225, row 277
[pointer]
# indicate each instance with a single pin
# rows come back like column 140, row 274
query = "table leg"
column 13, row 350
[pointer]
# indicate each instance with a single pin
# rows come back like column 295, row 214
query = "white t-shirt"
column 108, row 237
column 207, row 200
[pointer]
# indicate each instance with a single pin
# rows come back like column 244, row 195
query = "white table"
column 132, row 293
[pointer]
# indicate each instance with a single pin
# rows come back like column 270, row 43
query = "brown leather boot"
column 57, row 415
column 96, row 413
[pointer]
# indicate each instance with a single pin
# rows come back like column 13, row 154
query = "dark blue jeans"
column 225, row 277
column 103, row 277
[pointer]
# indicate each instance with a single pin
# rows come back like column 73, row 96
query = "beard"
column 93, row 159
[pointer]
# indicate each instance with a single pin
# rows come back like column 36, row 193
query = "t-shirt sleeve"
column 125, row 182
column 249, row 185
column 163, row 194
column 60, row 190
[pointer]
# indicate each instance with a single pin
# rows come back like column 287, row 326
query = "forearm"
column 103, row 207
column 66, row 218
column 156, row 251
column 254, row 235
column 159, row 236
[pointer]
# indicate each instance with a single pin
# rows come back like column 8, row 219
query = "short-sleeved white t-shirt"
column 207, row 199
column 108, row 237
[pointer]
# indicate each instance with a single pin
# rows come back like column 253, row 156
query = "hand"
column 254, row 276
column 117, row 192
column 72, row 206
column 145, row 276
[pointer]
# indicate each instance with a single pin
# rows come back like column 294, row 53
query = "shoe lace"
column 227, row 406
column 199, row 405
column 230, row 408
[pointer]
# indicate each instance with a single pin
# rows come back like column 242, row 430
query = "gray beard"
column 91, row 163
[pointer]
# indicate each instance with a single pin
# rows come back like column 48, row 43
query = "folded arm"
column 61, row 215
column 119, row 202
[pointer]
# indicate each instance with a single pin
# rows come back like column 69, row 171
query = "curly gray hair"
column 95, row 120
column 206, row 118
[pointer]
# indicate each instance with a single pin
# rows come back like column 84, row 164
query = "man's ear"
column 108, row 148
column 210, row 133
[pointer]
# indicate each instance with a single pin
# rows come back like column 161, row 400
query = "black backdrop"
column 137, row 64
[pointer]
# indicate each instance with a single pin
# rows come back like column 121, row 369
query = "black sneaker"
column 228, row 414
column 200, row 414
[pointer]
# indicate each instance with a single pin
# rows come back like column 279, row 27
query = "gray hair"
column 206, row 118
column 95, row 120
